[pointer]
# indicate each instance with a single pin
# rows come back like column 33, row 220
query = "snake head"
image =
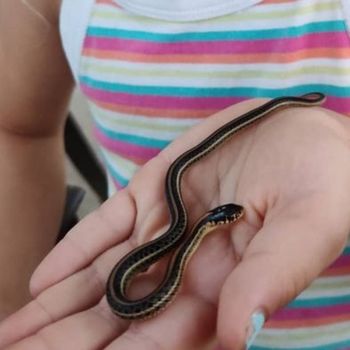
column 225, row 214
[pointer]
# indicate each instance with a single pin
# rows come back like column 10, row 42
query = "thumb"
column 283, row 258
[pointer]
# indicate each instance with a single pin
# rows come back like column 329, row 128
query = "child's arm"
column 35, row 87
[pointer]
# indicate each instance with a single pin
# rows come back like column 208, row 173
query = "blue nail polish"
column 257, row 321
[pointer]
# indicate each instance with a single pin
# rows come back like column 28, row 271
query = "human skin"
column 290, row 172
column 35, row 88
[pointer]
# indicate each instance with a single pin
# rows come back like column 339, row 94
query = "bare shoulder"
column 37, row 73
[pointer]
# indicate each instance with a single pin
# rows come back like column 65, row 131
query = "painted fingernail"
column 257, row 320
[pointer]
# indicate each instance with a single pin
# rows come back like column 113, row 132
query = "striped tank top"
column 147, row 80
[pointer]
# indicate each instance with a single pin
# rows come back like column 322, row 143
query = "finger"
column 197, row 133
column 283, row 258
column 188, row 323
column 104, row 228
column 88, row 330
column 76, row 293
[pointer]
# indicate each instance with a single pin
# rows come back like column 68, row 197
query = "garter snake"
column 139, row 259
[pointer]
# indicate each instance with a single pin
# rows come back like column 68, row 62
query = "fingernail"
column 257, row 320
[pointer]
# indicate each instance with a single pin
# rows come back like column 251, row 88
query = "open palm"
column 290, row 172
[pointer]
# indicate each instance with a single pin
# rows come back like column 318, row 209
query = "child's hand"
column 291, row 173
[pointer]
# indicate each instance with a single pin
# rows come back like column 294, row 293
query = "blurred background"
column 82, row 116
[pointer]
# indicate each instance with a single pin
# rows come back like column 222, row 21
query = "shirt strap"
column 74, row 19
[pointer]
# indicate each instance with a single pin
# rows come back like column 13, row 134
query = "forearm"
column 32, row 198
